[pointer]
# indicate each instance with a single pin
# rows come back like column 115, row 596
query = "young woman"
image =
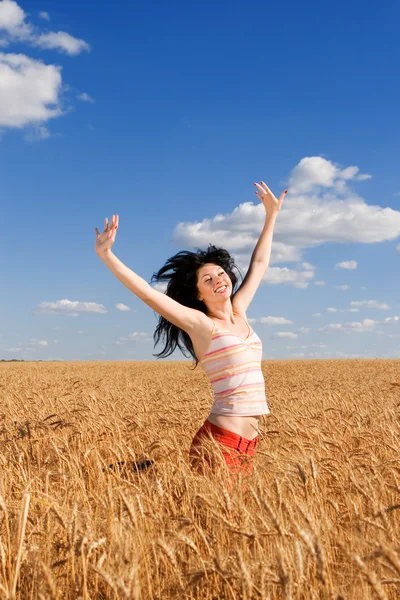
column 203, row 312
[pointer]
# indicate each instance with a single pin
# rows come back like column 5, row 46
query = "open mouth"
column 221, row 289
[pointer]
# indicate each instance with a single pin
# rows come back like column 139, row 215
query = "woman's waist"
column 246, row 426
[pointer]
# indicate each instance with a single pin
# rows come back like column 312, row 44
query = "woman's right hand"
column 105, row 240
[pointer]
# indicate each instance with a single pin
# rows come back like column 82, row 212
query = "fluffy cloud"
column 285, row 334
column 273, row 321
column 40, row 343
column 319, row 209
column 365, row 326
column 15, row 27
column 63, row 41
column 12, row 21
column 85, row 97
column 349, row 264
column 68, row 308
column 315, row 171
column 122, row 307
column 283, row 275
column 29, row 89
column 371, row 304
column 136, row 336
column 336, row 310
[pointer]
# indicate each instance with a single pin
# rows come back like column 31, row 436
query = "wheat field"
column 318, row 519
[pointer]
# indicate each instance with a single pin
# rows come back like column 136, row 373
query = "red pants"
column 235, row 451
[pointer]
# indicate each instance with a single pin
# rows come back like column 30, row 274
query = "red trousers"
column 235, row 451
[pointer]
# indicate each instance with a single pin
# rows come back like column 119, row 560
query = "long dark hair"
column 180, row 271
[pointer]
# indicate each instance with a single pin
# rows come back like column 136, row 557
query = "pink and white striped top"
column 233, row 365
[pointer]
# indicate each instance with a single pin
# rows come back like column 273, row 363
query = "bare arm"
column 262, row 252
column 183, row 317
column 129, row 278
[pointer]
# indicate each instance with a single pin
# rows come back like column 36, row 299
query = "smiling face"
column 213, row 284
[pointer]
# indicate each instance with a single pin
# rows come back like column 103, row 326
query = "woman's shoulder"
column 239, row 311
column 202, row 324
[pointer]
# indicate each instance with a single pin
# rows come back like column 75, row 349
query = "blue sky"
column 166, row 113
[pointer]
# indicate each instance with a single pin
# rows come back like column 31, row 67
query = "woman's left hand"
column 272, row 205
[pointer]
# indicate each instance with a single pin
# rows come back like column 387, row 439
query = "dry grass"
column 319, row 519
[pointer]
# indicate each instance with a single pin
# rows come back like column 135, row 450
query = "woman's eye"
column 207, row 280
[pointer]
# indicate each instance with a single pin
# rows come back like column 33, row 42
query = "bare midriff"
column 247, row 427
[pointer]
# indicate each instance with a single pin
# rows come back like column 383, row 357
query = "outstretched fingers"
column 109, row 227
column 266, row 188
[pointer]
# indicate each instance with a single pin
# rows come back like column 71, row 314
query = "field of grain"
column 319, row 518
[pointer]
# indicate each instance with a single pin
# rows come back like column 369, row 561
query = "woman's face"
column 213, row 283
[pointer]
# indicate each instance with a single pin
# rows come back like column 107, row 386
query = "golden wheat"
column 319, row 518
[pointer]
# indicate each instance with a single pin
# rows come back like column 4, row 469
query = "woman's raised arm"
column 104, row 242
column 183, row 317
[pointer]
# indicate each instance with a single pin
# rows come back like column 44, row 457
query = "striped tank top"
column 233, row 365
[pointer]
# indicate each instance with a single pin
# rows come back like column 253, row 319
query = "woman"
column 202, row 311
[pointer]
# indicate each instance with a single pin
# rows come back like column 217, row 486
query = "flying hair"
column 180, row 273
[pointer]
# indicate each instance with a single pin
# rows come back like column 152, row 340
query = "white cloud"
column 68, row 308
column 296, row 347
column 285, row 334
column 316, row 315
column 342, row 287
column 274, row 321
column 304, row 330
column 318, row 209
column 371, row 304
column 136, row 336
column 122, row 307
column 29, row 90
column 319, row 283
column 12, row 21
column 365, row 326
column 335, row 310
column 85, row 97
column 398, row 248
column 63, row 41
column 44, row 15
column 315, row 171
column 283, row 275
column 390, row 320
column 40, row 343
column 349, row 264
